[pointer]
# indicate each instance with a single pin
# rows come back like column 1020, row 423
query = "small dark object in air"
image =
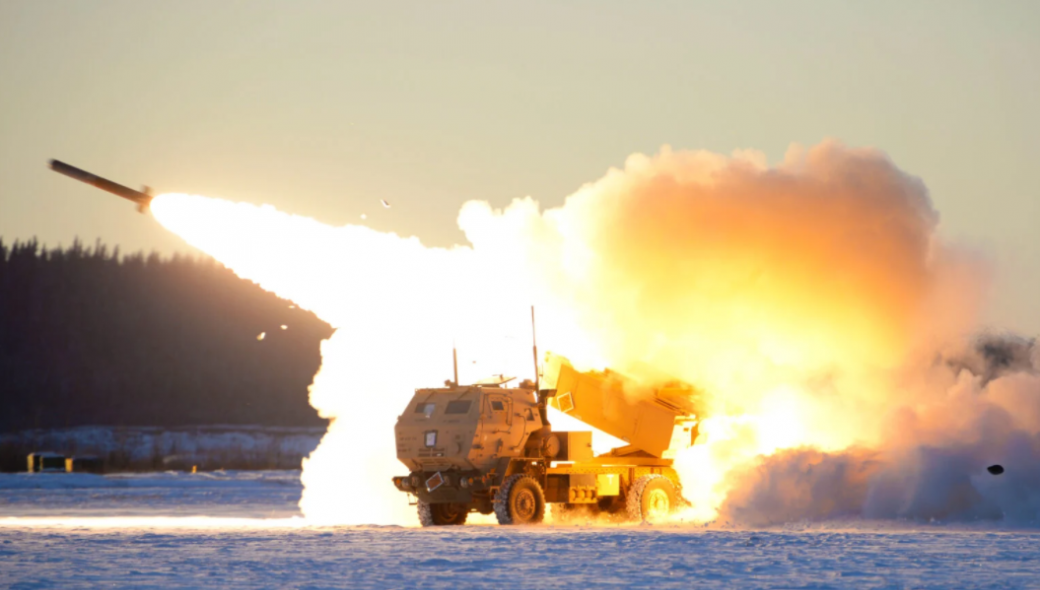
column 995, row 469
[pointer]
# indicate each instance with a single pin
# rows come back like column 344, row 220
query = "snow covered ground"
column 242, row 530
column 248, row 494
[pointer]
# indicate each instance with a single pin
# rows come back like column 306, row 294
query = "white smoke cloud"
column 972, row 409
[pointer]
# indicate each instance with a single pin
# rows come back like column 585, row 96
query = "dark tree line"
column 90, row 337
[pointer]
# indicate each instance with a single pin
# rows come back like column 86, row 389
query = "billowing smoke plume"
column 973, row 409
column 806, row 302
column 793, row 296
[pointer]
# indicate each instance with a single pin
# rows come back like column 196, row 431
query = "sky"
column 325, row 108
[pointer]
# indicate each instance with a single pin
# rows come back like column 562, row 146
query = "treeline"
column 92, row 337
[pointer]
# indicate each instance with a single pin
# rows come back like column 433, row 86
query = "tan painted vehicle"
column 489, row 448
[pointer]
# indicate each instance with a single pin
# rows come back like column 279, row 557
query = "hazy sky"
column 324, row 108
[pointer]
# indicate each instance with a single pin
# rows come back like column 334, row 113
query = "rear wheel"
column 520, row 501
column 651, row 498
column 442, row 514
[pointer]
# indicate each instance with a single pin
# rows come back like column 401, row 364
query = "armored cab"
column 456, row 441
column 490, row 448
column 466, row 429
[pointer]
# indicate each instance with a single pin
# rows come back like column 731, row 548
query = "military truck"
column 489, row 448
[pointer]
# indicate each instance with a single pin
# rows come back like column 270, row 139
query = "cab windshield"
column 459, row 406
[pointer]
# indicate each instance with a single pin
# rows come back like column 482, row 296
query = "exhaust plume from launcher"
column 143, row 199
column 807, row 300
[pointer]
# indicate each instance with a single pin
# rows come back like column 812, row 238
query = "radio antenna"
column 455, row 362
column 534, row 347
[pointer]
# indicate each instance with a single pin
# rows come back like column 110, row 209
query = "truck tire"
column 520, row 501
column 651, row 499
column 441, row 514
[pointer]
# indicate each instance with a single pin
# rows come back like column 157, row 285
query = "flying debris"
column 995, row 469
column 363, row 216
column 284, row 327
column 142, row 198
column 385, row 204
column 261, row 336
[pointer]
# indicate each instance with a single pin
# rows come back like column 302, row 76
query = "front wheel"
column 442, row 514
column 651, row 499
column 520, row 501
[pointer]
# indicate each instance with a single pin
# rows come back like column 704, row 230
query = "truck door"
column 498, row 423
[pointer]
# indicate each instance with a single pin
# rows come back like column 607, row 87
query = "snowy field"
column 243, row 494
column 242, row 530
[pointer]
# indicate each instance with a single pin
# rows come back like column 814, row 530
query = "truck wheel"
column 651, row 499
column 519, row 501
column 442, row 514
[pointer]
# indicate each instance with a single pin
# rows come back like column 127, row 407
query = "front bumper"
column 436, row 487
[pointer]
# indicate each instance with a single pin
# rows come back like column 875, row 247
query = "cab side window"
column 498, row 409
